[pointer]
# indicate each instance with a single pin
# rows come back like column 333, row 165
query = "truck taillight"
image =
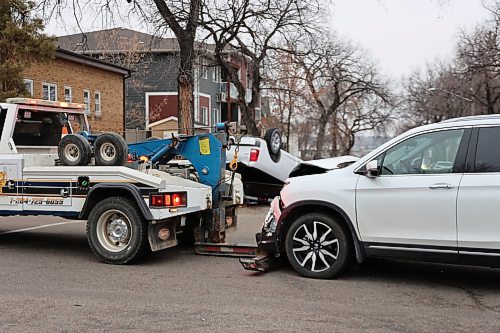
column 254, row 155
column 168, row 200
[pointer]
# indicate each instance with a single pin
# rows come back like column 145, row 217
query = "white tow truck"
column 50, row 164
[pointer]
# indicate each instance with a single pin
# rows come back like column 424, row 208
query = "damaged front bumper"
column 268, row 238
column 267, row 241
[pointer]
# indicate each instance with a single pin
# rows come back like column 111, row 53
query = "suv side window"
column 488, row 150
column 429, row 153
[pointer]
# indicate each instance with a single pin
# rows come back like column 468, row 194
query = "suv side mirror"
column 372, row 169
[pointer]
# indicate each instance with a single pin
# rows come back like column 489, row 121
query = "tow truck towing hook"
column 232, row 128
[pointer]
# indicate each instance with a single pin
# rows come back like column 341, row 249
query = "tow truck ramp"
column 251, row 258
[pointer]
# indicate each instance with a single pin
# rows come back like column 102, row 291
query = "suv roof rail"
column 470, row 118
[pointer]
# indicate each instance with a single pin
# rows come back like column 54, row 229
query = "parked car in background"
column 430, row 194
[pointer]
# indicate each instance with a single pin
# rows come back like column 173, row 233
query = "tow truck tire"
column 110, row 149
column 116, row 231
column 274, row 143
column 74, row 149
column 318, row 246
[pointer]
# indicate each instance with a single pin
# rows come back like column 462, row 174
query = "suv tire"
column 318, row 246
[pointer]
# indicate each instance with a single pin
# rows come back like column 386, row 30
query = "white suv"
column 430, row 194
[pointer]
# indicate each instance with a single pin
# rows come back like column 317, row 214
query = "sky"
column 405, row 34
column 400, row 35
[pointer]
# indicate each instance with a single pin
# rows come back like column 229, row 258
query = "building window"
column 97, row 101
column 28, row 86
column 204, row 115
column 49, row 91
column 197, row 116
column 216, row 74
column 216, row 116
column 68, row 94
column 204, row 69
column 86, row 101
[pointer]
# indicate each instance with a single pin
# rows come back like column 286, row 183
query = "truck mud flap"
column 162, row 235
column 226, row 250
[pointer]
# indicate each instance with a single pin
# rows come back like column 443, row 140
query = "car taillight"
column 168, row 200
column 254, row 155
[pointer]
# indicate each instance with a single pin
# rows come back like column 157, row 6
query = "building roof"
column 88, row 61
column 119, row 40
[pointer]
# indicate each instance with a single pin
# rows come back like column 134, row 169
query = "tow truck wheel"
column 74, row 149
column 116, row 232
column 110, row 149
column 317, row 246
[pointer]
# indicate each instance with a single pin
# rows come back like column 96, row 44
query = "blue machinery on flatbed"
column 207, row 154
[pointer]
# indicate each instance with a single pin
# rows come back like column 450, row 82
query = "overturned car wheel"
column 274, row 143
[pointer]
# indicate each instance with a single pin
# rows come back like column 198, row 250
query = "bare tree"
column 479, row 61
column 467, row 85
column 341, row 80
column 286, row 89
column 435, row 94
column 251, row 29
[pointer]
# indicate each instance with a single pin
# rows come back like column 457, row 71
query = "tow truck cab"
column 124, row 208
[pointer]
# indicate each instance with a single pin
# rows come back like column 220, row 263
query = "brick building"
column 71, row 77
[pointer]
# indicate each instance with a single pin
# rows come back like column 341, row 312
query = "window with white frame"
column 197, row 116
column 86, row 101
column 28, row 86
column 204, row 69
column 239, row 74
column 68, row 94
column 216, row 116
column 216, row 74
column 204, row 115
column 49, row 91
column 97, row 102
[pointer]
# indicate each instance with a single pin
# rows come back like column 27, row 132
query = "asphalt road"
column 51, row 282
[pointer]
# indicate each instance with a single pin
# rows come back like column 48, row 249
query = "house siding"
column 157, row 72
column 163, row 130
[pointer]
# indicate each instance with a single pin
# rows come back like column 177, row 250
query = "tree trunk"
column 320, row 143
column 185, row 88
column 248, row 118
column 334, row 136
column 289, row 120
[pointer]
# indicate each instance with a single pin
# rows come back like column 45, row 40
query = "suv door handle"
column 441, row 186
